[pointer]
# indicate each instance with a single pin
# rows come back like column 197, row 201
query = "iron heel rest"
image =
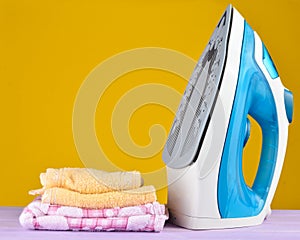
column 235, row 77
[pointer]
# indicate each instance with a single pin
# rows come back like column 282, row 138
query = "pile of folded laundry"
column 82, row 199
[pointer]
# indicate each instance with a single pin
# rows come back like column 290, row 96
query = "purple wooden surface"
column 282, row 224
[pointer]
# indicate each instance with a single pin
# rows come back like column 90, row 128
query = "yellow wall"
column 47, row 48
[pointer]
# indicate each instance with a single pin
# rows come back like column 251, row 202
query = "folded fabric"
column 87, row 180
column 38, row 208
column 138, row 196
column 147, row 217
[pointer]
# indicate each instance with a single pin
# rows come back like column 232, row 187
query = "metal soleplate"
column 197, row 104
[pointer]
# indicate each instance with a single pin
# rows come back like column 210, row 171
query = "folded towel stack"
column 93, row 200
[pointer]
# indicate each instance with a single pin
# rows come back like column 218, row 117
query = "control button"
column 289, row 104
column 269, row 63
column 247, row 131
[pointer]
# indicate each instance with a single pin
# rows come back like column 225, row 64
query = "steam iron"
column 235, row 77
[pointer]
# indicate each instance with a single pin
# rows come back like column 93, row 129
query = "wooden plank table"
column 282, row 224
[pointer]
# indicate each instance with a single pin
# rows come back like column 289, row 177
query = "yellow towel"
column 84, row 180
column 61, row 196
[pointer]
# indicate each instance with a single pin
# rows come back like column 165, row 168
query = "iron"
column 234, row 78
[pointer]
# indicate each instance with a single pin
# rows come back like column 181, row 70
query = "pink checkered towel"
column 147, row 217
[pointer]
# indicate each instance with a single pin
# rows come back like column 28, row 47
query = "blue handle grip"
column 254, row 97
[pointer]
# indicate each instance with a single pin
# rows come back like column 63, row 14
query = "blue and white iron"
column 235, row 77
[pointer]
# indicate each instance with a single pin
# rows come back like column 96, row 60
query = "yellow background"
column 47, row 48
